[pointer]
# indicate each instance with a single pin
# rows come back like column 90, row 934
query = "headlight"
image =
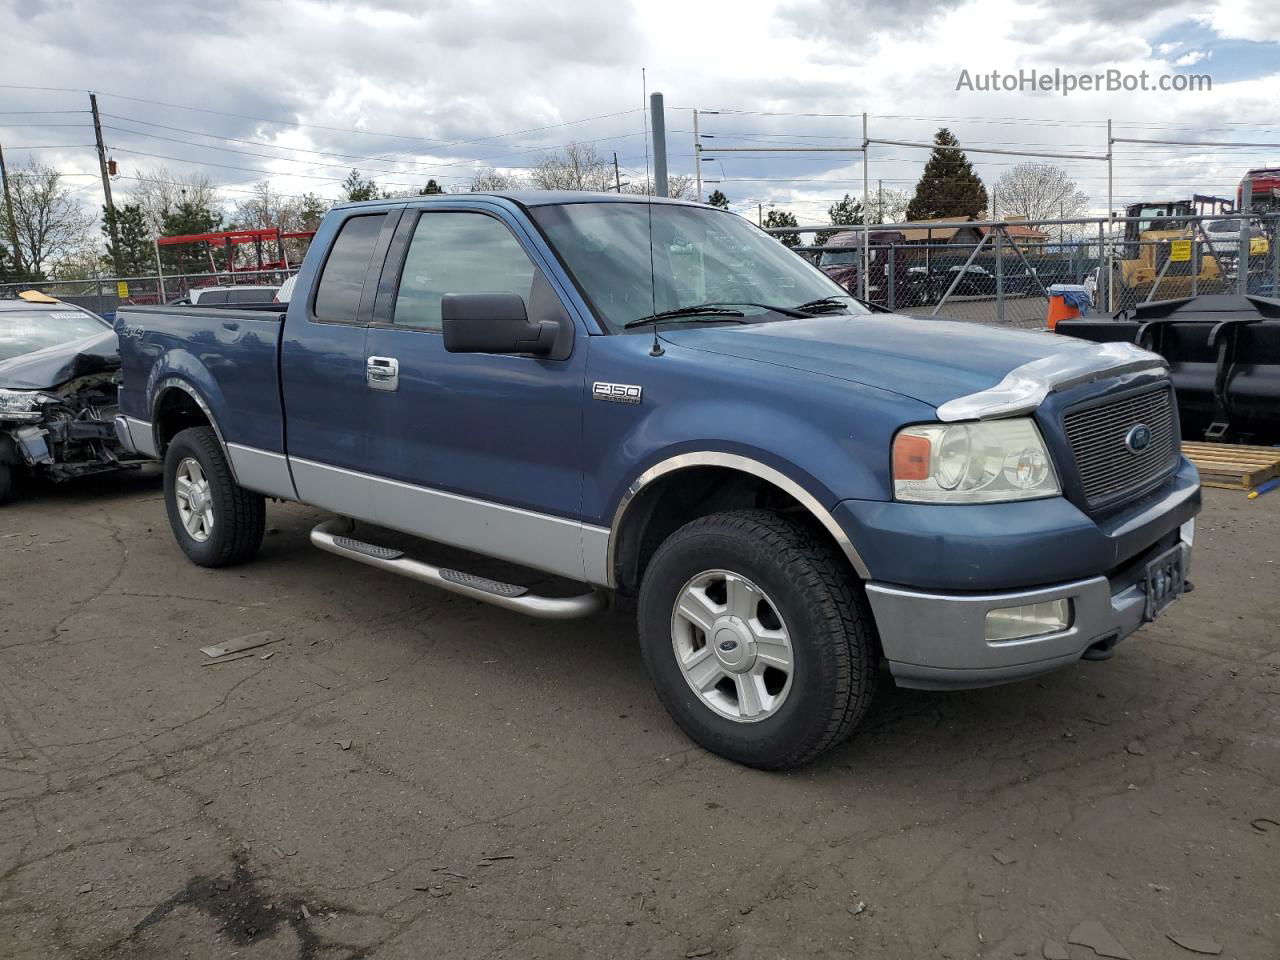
column 21, row 404
column 984, row 462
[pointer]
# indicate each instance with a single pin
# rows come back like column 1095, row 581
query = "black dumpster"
column 1223, row 351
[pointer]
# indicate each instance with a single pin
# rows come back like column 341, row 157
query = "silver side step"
column 334, row 536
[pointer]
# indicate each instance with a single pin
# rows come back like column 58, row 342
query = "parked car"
column 58, row 369
column 975, row 281
column 792, row 486
column 238, row 293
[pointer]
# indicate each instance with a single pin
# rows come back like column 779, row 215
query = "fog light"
column 1028, row 620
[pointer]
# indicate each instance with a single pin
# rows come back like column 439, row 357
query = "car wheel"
column 216, row 522
column 757, row 638
column 6, row 482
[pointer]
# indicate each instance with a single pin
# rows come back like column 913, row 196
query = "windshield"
column 839, row 258
column 700, row 255
column 26, row 331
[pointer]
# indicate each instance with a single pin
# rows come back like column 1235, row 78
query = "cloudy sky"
column 300, row 91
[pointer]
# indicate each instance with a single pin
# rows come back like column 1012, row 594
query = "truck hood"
column 928, row 360
column 56, row 365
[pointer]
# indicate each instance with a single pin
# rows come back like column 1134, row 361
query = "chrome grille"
column 1107, row 467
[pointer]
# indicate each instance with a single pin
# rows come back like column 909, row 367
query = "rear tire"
column 216, row 522
column 803, row 611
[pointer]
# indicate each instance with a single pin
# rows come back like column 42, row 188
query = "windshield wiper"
column 822, row 304
column 716, row 308
column 681, row 313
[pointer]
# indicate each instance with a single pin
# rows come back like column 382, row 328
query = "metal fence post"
column 1275, row 257
column 891, row 278
column 1104, row 276
column 1195, row 266
column 999, row 240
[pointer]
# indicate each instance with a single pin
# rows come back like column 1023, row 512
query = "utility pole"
column 106, row 184
column 697, row 156
column 617, row 177
column 658, row 122
column 760, row 214
column 879, row 201
column 13, row 224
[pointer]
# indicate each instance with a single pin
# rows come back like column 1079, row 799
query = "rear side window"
column 342, row 282
column 213, row 296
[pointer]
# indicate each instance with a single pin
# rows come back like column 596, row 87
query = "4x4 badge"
column 616, row 392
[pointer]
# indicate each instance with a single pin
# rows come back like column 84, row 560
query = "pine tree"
column 781, row 218
column 718, row 199
column 430, row 189
column 187, row 218
column 949, row 187
column 356, row 188
column 135, row 255
column 311, row 211
column 8, row 269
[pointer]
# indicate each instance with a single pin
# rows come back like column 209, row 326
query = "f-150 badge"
column 616, row 392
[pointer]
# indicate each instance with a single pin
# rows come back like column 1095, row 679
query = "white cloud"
column 407, row 80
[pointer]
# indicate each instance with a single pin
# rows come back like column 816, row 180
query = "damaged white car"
column 59, row 375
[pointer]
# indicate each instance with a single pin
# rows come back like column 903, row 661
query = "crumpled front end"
column 64, row 432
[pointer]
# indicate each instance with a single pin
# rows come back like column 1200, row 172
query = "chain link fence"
column 1002, row 272
column 104, row 295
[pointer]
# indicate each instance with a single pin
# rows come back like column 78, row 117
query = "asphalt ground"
column 410, row 774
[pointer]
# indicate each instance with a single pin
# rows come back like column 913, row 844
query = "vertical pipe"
column 1275, row 256
column 1103, row 290
column 155, row 243
column 864, row 284
column 999, row 241
column 892, row 278
column 1111, row 224
column 658, row 123
column 1242, row 252
column 697, row 156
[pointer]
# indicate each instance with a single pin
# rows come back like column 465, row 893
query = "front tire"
column 760, row 645
column 216, row 522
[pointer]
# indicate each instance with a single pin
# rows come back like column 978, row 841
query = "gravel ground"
column 411, row 774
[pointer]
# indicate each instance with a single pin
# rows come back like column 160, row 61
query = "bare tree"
column 490, row 180
column 680, row 186
column 159, row 191
column 1039, row 191
column 267, row 209
column 887, row 206
column 579, row 167
column 52, row 225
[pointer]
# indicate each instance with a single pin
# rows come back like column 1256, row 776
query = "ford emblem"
column 1138, row 438
column 728, row 646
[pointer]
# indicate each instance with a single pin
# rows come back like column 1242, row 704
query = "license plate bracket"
column 1165, row 581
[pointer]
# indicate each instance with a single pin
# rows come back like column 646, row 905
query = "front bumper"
column 936, row 640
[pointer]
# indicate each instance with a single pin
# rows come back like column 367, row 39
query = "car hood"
column 929, row 360
column 56, row 365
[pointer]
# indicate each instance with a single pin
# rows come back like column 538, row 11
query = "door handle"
column 382, row 373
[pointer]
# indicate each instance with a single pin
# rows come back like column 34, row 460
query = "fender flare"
column 711, row 458
column 178, row 383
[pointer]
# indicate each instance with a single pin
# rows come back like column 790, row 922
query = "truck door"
column 323, row 374
column 481, row 451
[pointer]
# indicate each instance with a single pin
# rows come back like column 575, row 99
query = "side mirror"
column 493, row 323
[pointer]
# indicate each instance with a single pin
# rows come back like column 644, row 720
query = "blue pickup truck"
column 655, row 399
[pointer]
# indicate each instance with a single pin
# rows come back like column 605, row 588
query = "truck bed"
column 230, row 355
